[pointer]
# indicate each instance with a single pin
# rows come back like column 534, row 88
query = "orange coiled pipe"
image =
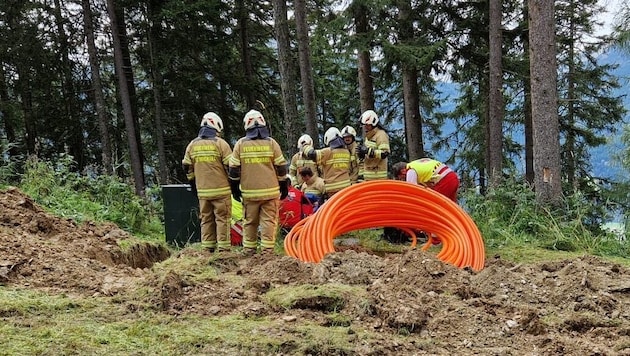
column 389, row 203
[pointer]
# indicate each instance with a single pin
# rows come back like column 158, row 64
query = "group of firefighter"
column 253, row 176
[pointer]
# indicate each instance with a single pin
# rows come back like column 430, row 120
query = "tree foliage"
column 188, row 58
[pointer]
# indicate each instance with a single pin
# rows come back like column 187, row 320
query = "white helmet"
column 213, row 120
column 369, row 117
column 348, row 131
column 253, row 118
column 304, row 140
column 331, row 134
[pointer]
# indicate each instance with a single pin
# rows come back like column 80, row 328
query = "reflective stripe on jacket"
column 374, row 167
column 207, row 159
column 335, row 163
column 258, row 160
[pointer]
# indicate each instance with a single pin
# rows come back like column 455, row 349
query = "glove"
column 193, row 186
column 362, row 151
column 236, row 189
column 284, row 189
column 308, row 152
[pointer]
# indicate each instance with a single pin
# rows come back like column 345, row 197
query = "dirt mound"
column 40, row 250
column 578, row 306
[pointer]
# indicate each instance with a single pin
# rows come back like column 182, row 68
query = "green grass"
column 63, row 192
column 190, row 268
column 333, row 294
column 35, row 323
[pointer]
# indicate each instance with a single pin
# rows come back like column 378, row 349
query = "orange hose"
column 389, row 203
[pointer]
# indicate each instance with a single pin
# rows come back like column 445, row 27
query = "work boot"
column 210, row 249
column 267, row 252
column 248, row 252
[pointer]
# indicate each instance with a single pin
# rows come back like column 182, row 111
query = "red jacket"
column 294, row 208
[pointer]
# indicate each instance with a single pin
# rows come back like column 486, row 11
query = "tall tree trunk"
column 527, row 105
column 306, row 70
column 366, row 87
column 246, row 59
column 26, row 103
column 484, row 97
column 570, row 149
column 287, row 72
column 413, row 120
column 23, row 92
column 7, row 118
column 547, row 180
column 73, row 130
column 156, row 76
column 134, row 147
column 495, row 101
column 128, row 73
column 97, row 90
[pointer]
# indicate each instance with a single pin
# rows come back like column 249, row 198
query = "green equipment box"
column 181, row 215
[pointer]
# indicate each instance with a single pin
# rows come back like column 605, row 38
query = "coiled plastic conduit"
column 389, row 203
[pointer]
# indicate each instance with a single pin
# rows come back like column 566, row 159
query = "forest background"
column 117, row 88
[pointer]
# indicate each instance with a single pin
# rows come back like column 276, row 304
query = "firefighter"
column 375, row 149
column 298, row 162
column 313, row 187
column 349, row 135
column 334, row 161
column 206, row 161
column 257, row 174
column 430, row 173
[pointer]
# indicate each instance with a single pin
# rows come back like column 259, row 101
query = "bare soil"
column 576, row 306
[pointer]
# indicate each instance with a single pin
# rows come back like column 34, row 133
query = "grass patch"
column 38, row 323
column 195, row 269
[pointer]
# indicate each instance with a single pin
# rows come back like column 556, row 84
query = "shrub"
column 88, row 196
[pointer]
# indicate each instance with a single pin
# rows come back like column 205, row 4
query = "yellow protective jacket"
column 298, row 162
column 260, row 161
column 315, row 186
column 429, row 171
column 207, row 160
column 237, row 211
column 335, row 165
column 354, row 162
column 375, row 167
